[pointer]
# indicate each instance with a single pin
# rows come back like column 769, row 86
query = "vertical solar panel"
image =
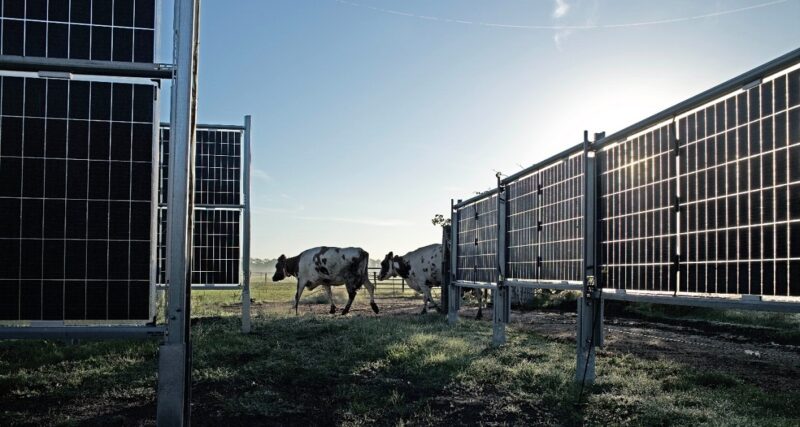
column 217, row 193
column 75, row 199
column 545, row 235
column 477, row 241
column 637, row 218
column 524, row 219
column 101, row 30
column 740, row 185
column 561, row 216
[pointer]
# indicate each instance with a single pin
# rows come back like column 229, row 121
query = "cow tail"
column 364, row 266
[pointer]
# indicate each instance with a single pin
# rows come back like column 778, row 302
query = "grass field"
column 395, row 368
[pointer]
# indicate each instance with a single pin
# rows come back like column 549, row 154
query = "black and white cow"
column 326, row 267
column 422, row 270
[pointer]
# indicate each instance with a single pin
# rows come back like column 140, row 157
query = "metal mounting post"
column 501, row 300
column 246, row 160
column 453, row 291
column 175, row 355
column 590, row 304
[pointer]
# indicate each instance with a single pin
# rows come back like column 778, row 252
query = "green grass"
column 355, row 370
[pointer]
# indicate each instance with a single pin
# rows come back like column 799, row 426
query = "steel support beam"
column 56, row 66
column 501, row 299
column 175, row 360
column 453, row 292
column 246, row 158
column 81, row 332
column 590, row 304
column 715, row 302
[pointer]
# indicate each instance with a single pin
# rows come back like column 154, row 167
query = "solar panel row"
column 707, row 202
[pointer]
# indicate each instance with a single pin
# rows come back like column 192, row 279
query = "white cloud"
column 560, row 36
column 561, row 8
column 374, row 222
column 261, row 174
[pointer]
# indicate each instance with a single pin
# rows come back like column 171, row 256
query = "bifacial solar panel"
column 740, row 190
column 637, row 217
column 217, row 192
column 101, row 30
column 545, row 234
column 76, row 192
column 477, row 241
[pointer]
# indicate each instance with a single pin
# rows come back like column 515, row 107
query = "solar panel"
column 75, row 198
column 217, row 193
column 477, row 241
column 637, row 217
column 101, row 30
column 740, row 185
column 545, row 234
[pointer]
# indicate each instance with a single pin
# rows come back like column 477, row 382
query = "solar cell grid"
column 217, row 189
column 637, row 224
column 122, row 30
column 477, row 241
column 739, row 174
column 75, row 199
column 544, row 227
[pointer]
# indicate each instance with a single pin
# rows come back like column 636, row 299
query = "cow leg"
column 479, row 294
column 371, row 289
column 351, row 294
column 299, row 293
column 427, row 291
column 426, row 296
column 330, row 298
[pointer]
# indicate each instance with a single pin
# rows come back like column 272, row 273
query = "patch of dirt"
column 740, row 351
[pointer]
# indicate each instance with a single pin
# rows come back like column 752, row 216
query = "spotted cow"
column 421, row 269
column 326, row 267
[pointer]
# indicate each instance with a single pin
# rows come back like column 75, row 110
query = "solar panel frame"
column 217, row 255
column 638, row 228
column 98, row 30
column 545, row 215
column 69, row 133
column 740, row 157
column 477, row 241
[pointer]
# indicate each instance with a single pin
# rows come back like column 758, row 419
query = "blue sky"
column 370, row 115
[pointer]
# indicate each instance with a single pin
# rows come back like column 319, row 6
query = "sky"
column 369, row 116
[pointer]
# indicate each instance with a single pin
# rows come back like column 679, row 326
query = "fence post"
column 443, row 296
column 590, row 304
column 246, row 227
column 175, row 355
column 453, row 291
column 501, row 301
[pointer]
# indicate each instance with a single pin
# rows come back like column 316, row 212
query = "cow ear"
column 391, row 254
column 282, row 258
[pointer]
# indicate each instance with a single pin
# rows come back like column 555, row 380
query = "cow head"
column 280, row 269
column 387, row 267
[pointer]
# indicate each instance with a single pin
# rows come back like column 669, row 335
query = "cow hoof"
column 374, row 307
column 479, row 316
column 423, row 312
column 333, row 309
column 345, row 311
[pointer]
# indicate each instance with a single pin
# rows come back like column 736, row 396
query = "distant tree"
column 439, row 219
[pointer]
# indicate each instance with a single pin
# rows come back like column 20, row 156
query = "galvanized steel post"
column 246, row 160
column 501, row 299
column 174, row 369
column 590, row 304
column 453, row 291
